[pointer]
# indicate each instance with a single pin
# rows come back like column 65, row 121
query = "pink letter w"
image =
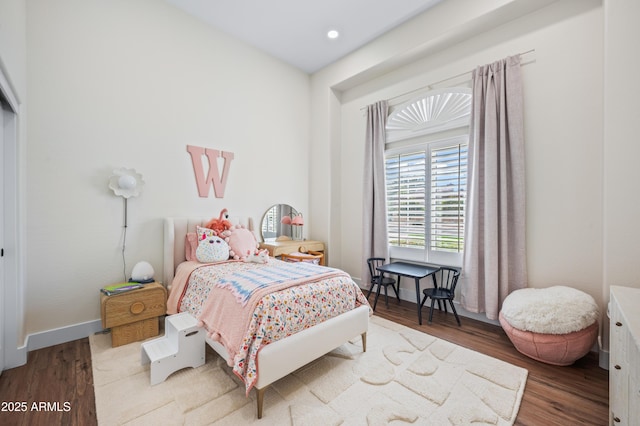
column 213, row 176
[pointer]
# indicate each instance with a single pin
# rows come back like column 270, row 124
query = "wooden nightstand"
column 133, row 315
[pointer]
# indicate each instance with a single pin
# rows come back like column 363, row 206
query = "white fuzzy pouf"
column 552, row 310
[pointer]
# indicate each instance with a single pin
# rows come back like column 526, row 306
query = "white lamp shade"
column 142, row 271
column 126, row 182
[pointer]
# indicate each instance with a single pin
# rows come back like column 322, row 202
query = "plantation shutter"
column 405, row 174
column 448, row 183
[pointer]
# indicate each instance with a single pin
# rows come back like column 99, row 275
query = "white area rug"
column 405, row 376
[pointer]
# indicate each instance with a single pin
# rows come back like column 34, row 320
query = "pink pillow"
column 242, row 242
column 190, row 246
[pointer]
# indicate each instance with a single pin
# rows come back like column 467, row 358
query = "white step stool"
column 181, row 346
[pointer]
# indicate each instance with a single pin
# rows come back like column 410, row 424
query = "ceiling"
column 295, row 31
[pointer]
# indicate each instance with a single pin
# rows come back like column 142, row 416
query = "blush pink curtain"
column 494, row 254
column 375, row 241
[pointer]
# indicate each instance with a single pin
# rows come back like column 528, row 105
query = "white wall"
column 123, row 83
column 563, row 127
column 131, row 83
column 13, row 42
column 621, row 147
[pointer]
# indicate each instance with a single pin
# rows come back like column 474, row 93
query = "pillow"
column 191, row 241
column 212, row 249
column 242, row 243
column 190, row 246
column 203, row 233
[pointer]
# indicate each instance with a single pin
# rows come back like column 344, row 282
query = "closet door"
column 11, row 303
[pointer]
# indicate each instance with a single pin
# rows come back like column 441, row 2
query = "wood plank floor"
column 553, row 395
column 58, row 380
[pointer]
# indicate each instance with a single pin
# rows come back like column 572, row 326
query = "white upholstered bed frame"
column 282, row 357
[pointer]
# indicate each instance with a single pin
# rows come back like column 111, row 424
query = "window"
column 426, row 179
column 425, row 199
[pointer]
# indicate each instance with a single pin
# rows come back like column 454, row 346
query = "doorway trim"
column 15, row 350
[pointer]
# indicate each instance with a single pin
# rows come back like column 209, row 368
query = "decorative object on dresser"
column 556, row 325
column 624, row 356
column 276, row 222
column 297, row 222
column 133, row 315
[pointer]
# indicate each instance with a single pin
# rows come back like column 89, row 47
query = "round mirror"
column 272, row 226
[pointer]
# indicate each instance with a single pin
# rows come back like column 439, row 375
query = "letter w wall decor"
column 213, row 176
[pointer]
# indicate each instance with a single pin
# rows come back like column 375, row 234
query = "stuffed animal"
column 212, row 249
column 260, row 256
column 220, row 224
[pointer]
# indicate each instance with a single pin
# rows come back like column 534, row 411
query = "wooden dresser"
column 624, row 356
column 133, row 315
column 276, row 248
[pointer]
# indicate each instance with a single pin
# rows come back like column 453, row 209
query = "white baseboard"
column 48, row 338
column 603, row 359
column 56, row 336
column 603, row 355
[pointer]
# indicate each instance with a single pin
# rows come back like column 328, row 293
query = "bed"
column 278, row 358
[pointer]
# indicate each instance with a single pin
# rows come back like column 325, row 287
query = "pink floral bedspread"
column 271, row 315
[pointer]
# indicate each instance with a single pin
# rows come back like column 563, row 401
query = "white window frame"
column 426, row 254
column 435, row 119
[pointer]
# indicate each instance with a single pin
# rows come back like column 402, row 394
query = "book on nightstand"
column 110, row 290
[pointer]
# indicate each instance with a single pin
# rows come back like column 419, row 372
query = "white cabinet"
column 634, row 386
column 624, row 357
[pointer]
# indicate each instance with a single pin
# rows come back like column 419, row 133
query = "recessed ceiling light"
column 333, row 34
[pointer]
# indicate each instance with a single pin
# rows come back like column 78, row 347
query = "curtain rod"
column 428, row 86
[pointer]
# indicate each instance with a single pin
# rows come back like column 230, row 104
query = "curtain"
column 375, row 241
column 494, row 255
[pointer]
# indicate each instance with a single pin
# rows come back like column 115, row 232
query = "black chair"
column 445, row 291
column 378, row 279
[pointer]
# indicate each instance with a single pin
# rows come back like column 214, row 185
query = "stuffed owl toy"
column 212, row 249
